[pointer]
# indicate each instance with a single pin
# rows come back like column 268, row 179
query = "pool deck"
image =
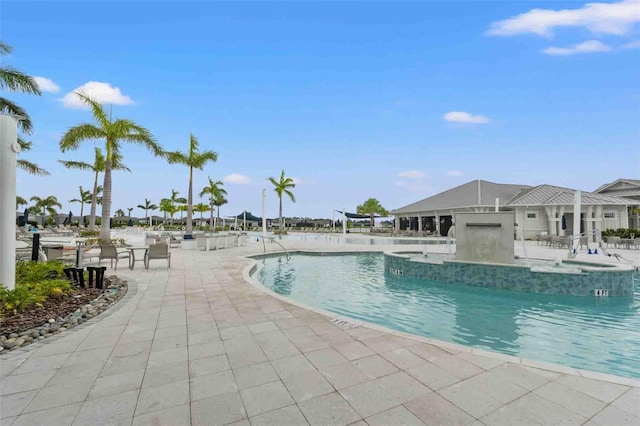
column 198, row 344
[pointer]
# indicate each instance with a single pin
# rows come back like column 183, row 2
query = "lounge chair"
column 109, row 252
column 157, row 251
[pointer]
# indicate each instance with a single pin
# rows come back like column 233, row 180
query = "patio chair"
column 157, row 251
column 613, row 240
column 109, row 251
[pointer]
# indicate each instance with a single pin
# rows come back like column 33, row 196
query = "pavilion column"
column 437, row 224
column 589, row 224
column 419, row 223
column 561, row 231
column 396, row 224
column 551, row 214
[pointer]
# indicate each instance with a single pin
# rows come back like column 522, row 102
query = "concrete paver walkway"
column 198, row 345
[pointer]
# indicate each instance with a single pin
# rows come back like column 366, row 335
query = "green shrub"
column 621, row 232
column 18, row 298
column 35, row 283
column 86, row 233
column 32, row 272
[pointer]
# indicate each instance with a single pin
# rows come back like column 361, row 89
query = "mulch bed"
column 34, row 316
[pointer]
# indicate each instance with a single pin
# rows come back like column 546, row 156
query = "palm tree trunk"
column 212, row 224
column 371, row 223
column 105, row 230
column 81, row 208
column 190, row 203
column 281, row 230
column 94, row 204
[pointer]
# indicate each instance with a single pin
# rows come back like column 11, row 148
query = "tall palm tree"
column 13, row 80
column 201, row 208
column 148, row 205
column 371, row 207
column 194, row 159
column 114, row 133
column 119, row 213
column 20, row 201
column 85, row 197
column 282, row 187
column 45, row 205
column 97, row 167
column 129, row 208
column 216, row 197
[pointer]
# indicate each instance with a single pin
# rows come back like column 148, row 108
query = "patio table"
column 132, row 257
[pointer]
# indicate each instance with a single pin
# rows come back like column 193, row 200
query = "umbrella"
column 564, row 222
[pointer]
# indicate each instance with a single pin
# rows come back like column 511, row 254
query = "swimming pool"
column 598, row 334
column 354, row 239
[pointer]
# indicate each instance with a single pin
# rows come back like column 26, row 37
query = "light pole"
column 9, row 150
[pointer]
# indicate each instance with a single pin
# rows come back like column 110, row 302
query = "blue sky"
column 396, row 101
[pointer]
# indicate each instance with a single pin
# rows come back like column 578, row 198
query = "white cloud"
column 464, row 117
column 103, row 93
column 412, row 174
column 454, row 173
column 603, row 18
column 589, row 46
column 631, row 45
column 416, row 186
column 299, row 181
column 46, row 84
column 237, row 179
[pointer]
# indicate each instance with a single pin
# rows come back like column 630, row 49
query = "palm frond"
column 5, row 49
column 99, row 114
column 72, row 139
column 32, row 168
column 198, row 161
column 25, row 145
column 9, row 107
column 80, row 165
column 19, row 200
column 13, row 80
column 177, row 157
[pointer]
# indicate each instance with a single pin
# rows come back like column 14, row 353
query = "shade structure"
column 357, row 216
column 248, row 216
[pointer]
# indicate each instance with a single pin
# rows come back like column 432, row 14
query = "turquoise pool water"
column 598, row 334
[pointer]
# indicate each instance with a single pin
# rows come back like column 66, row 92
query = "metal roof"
column 549, row 195
column 633, row 182
column 477, row 193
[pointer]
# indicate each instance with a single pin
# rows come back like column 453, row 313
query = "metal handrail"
column 273, row 240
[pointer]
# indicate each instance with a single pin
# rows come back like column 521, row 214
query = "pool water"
column 598, row 334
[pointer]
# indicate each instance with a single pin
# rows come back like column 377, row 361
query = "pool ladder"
column 273, row 240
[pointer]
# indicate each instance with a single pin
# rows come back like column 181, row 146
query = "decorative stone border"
column 112, row 294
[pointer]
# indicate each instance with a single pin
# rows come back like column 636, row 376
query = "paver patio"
column 197, row 344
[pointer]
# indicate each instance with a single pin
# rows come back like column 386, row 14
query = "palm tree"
column 282, row 187
column 216, row 197
column 114, row 133
column 182, row 208
column 146, row 207
column 85, row 197
column 13, row 80
column 45, row 205
column 129, row 208
column 371, row 207
column 201, row 208
column 194, row 159
column 119, row 213
column 97, row 167
column 20, row 201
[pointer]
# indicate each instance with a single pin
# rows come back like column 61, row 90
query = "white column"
column 264, row 212
column 497, row 208
column 9, row 149
column 419, row 223
column 437, row 225
column 589, row 224
column 561, row 232
column 577, row 206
